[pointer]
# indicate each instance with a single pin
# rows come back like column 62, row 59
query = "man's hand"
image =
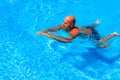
column 41, row 32
column 98, row 21
column 38, row 32
column 45, row 33
column 48, row 35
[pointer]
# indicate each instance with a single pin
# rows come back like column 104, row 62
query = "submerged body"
column 69, row 26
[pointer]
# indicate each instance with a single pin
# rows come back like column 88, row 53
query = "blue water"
column 27, row 56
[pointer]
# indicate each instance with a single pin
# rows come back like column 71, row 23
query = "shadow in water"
column 95, row 53
column 91, row 57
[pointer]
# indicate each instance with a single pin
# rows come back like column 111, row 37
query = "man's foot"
column 97, row 22
column 115, row 34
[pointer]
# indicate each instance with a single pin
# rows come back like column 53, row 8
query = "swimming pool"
column 27, row 56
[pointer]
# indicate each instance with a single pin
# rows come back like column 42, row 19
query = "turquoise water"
column 27, row 56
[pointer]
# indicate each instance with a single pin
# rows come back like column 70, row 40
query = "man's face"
column 67, row 24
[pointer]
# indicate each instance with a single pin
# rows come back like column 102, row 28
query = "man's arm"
column 73, row 33
column 54, row 28
column 58, row 38
column 50, row 30
column 61, row 39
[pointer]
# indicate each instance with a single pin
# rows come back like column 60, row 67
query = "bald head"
column 70, row 19
column 69, row 22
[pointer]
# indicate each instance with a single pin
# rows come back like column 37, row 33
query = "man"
column 69, row 26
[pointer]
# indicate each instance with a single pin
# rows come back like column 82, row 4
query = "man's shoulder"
column 76, row 28
column 75, row 31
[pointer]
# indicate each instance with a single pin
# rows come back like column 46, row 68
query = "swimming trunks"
column 95, row 35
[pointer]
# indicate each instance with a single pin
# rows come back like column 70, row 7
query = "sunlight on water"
column 27, row 56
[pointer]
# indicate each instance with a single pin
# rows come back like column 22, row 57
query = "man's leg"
column 108, row 37
column 94, row 24
column 104, row 45
column 101, row 43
